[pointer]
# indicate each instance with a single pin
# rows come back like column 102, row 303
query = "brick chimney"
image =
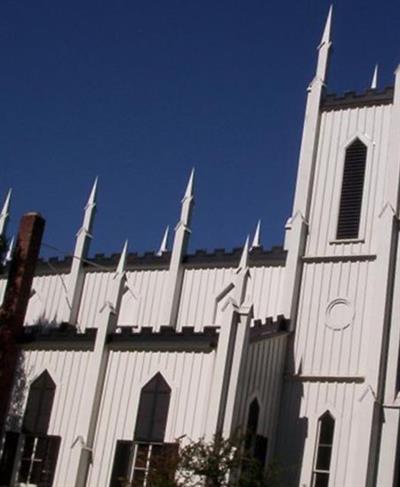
column 15, row 303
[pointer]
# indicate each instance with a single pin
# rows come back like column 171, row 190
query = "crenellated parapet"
column 351, row 99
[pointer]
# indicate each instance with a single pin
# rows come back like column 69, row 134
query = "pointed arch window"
column 256, row 445
column 33, row 452
column 135, row 460
column 39, row 405
column 153, row 410
column 323, row 453
column 352, row 191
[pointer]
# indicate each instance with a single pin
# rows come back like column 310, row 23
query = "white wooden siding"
column 187, row 373
column 48, row 302
column 337, row 129
column 68, row 369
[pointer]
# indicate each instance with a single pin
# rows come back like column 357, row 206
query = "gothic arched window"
column 323, row 453
column 134, row 460
column 255, row 444
column 153, row 411
column 39, row 405
column 352, row 191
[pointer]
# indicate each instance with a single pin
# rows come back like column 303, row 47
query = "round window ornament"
column 339, row 314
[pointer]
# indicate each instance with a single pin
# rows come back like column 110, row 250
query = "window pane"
column 138, row 478
column 122, row 457
column 326, row 429
column 141, row 456
column 7, row 460
column 324, row 458
column 321, row 480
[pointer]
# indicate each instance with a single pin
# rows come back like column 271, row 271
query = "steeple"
column 83, row 239
column 296, row 232
column 179, row 248
column 4, row 215
column 164, row 243
column 374, row 81
column 256, row 239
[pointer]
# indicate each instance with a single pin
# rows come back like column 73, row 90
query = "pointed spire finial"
column 122, row 260
column 374, row 81
column 93, row 194
column 256, row 239
column 189, row 187
column 5, row 213
column 9, row 253
column 245, row 255
column 326, row 36
column 164, row 243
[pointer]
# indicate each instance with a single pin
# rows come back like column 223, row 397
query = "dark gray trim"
column 339, row 258
column 64, row 337
column 217, row 258
column 167, row 339
column 326, row 378
column 351, row 99
column 269, row 329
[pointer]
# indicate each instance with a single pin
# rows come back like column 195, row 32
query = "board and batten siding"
column 48, row 302
column 201, row 287
column 262, row 379
column 188, row 374
column 140, row 304
column 338, row 129
column 320, row 349
column 68, row 369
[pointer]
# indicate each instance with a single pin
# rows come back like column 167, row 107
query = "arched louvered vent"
column 153, row 410
column 352, row 191
column 39, row 405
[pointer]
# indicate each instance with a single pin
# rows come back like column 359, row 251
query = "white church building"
column 123, row 355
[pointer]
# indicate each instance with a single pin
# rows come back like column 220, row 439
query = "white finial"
column 5, row 212
column 164, row 243
column 256, row 239
column 122, row 260
column 9, row 253
column 324, row 49
column 374, row 82
column 326, row 36
column 189, row 187
column 245, row 256
column 93, row 194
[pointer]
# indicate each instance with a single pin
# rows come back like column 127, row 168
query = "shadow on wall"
column 292, row 429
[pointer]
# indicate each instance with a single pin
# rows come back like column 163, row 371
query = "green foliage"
column 218, row 463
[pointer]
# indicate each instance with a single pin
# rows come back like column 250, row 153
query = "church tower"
column 340, row 406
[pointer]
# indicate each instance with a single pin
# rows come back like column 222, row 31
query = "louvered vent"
column 352, row 191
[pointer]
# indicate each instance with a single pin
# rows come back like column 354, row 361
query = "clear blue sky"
column 138, row 92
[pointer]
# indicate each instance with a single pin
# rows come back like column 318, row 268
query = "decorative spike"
column 256, row 240
column 90, row 210
column 374, row 82
column 164, row 243
column 326, row 36
column 189, row 188
column 245, row 256
column 324, row 48
column 9, row 253
column 5, row 212
column 122, row 260
column 187, row 202
column 93, row 194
